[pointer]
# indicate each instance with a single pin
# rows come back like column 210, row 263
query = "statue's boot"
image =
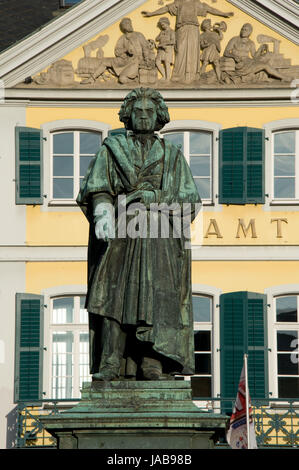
column 151, row 369
column 105, row 374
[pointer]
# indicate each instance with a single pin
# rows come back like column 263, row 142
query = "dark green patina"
column 139, row 289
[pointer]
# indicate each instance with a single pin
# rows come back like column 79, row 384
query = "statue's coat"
column 145, row 282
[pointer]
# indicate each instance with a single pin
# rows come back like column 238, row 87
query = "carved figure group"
column 176, row 56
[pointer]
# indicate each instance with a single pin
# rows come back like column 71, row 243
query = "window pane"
column 62, row 364
column 203, row 187
column 176, row 139
column 286, row 308
column 84, row 359
column 201, row 387
column 288, row 387
column 83, row 311
column 63, row 143
column 284, row 165
column 200, row 166
column 202, row 363
column 287, row 340
column 200, row 142
column 63, row 166
column 90, row 142
column 284, row 187
column 287, row 364
column 63, row 310
column 84, row 164
column 63, row 188
column 202, row 341
column 201, row 308
column 284, row 142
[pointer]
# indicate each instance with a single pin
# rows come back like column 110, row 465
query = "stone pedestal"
column 135, row 415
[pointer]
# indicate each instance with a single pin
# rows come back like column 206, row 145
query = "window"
column 285, row 153
column 201, row 382
column 69, row 346
column 286, row 336
column 197, row 146
column 72, row 152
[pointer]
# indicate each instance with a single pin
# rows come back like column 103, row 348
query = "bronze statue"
column 186, row 66
column 139, row 287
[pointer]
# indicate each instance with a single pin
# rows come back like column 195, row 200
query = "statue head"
column 163, row 23
column 206, row 25
column 144, row 110
column 126, row 25
column 246, row 30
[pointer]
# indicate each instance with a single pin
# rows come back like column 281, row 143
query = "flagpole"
column 247, row 400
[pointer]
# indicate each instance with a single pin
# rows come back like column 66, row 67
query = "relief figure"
column 165, row 45
column 210, row 46
column 132, row 50
column 187, row 64
column 247, row 61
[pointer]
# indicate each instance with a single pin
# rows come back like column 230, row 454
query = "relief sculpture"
column 194, row 54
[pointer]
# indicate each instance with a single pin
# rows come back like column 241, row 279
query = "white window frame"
column 190, row 125
column 273, row 327
column 213, row 326
column 51, row 128
column 49, row 328
column 270, row 129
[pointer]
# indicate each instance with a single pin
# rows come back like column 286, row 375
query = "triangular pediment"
column 196, row 45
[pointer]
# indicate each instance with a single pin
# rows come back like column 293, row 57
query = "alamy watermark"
column 295, row 92
column 155, row 220
column 295, row 353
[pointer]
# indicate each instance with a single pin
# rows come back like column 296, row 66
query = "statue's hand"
column 147, row 14
column 229, row 14
column 148, row 197
column 104, row 221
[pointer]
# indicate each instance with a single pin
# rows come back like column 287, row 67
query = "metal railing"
column 276, row 420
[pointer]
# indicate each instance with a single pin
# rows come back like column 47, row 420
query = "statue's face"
column 246, row 31
column 144, row 116
column 126, row 26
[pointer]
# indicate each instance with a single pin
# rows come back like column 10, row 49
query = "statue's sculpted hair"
column 139, row 93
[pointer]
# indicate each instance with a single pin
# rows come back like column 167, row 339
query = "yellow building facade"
column 244, row 249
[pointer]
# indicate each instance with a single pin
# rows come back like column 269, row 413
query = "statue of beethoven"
column 139, row 288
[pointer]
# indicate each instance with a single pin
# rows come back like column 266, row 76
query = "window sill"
column 289, row 202
column 62, row 202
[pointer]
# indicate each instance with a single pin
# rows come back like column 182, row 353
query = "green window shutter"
column 255, row 166
column 257, row 345
column 29, row 347
column 243, row 330
column 119, row 131
column 241, row 166
column 29, row 165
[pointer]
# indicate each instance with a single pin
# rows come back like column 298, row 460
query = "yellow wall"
column 253, row 276
column 71, row 228
column 41, row 276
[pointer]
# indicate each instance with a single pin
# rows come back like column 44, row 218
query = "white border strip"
column 199, row 253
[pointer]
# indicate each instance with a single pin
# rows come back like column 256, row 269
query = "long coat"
column 145, row 282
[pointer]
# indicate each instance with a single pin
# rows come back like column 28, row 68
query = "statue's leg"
column 112, row 340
